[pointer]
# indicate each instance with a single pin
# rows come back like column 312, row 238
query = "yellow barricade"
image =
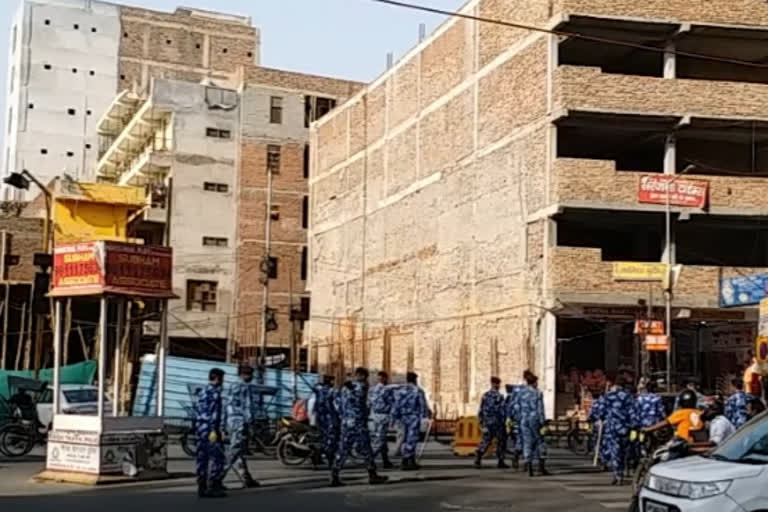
column 467, row 436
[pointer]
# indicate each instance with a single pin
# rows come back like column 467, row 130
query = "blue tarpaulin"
column 183, row 374
column 743, row 291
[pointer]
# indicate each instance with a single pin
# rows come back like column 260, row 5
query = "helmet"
column 688, row 399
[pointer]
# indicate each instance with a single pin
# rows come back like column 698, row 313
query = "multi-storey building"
column 204, row 153
column 469, row 206
column 68, row 58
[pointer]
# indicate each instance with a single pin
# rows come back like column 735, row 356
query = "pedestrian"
column 381, row 399
column 615, row 411
column 529, row 414
column 648, row 408
column 692, row 385
column 210, row 453
column 325, row 417
column 352, row 408
column 736, row 405
column 410, row 407
column 491, row 416
column 720, row 428
column 514, row 427
column 239, row 417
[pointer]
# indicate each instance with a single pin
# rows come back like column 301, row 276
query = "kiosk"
column 106, row 446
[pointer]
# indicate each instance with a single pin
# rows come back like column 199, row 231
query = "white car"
column 731, row 478
column 74, row 399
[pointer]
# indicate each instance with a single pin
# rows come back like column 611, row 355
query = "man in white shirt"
column 720, row 428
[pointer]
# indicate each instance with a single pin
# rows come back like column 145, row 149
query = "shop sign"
column 112, row 267
column 77, row 458
column 649, row 327
column 652, row 189
column 638, row 271
column 656, row 342
column 731, row 338
column 743, row 290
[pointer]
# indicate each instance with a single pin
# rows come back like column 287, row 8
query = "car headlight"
column 689, row 490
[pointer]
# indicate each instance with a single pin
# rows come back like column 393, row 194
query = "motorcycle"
column 298, row 443
column 654, row 449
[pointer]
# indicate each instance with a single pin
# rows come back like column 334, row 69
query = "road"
column 444, row 484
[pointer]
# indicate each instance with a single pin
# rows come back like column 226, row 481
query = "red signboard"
column 652, row 188
column 112, row 267
column 649, row 327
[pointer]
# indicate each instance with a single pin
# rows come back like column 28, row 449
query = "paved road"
column 445, row 484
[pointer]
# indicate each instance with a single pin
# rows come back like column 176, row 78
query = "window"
column 93, row 30
column 216, row 133
column 125, row 34
column 201, row 295
column 273, row 159
column 92, row 73
column 305, row 212
column 274, row 213
column 250, row 54
column 213, row 241
column 316, row 107
column 272, row 273
column 47, row 66
column 304, row 263
column 76, row 26
column 276, row 110
column 168, row 41
column 197, row 46
column 74, row 71
column 306, row 162
column 71, row 111
column 220, row 99
column 88, row 112
column 122, row 77
column 47, row 22
column 87, row 146
column 31, row 106
column 70, row 154
column 224, row 50
column 215, row 187
column 43, row 151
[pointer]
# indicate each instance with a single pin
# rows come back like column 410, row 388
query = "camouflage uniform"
column 491, row 416
column 409, row 408
column 208, row 410
column 239, row 415
column 327, row 419
column 352, row 409
column 381, row 399
column 615, row 410
column 736, row 408
column 529, row 414
column 509, row 413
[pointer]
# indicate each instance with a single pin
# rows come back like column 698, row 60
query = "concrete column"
column 670, row 166
column 670, row 61
column 548, row 378
column 56, row 357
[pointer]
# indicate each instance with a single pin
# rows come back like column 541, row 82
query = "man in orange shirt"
column 685, row 420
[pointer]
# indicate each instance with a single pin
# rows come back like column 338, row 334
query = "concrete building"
column 68, row 58
column 203, row 153
column 468, row 207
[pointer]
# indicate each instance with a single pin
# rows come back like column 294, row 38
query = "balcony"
column 136, row 151
column 580, row 275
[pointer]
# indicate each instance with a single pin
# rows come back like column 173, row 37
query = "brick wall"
column 26, row 237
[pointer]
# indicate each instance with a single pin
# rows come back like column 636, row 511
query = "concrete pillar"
column 670, row 166
column 670, row 61
column 548, row 361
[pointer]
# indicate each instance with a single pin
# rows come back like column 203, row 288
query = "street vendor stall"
column 94, row 448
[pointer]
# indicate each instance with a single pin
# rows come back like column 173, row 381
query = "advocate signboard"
column 638, row 271
column 93, row 268
column 652, row 189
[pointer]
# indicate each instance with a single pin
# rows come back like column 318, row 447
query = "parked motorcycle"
column 298, row 443
column 654, row 449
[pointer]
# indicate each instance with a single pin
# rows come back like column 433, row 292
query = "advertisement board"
column 743, row 290
column 652, row 188
column 112, row 267
column 638, row 271
column 78, row 458
column 656, row 342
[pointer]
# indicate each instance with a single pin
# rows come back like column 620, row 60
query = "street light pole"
column 668, row 291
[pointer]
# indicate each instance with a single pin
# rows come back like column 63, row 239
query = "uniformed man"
column 326, row 419
column 736, row 405
column 239, row 416
column 352, row 408
column 514, row 427
column 210, row 453
column 615, row 410
column 380, row 400
column 649, row 407
column 492, row 418
column 409, row 409
column 529, row 414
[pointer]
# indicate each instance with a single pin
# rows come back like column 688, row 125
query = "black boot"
column 375, row 479
column 543, row 468
column 516, row 461
column 335, row 480
column 249, row 482
column 528, row 468
column 217, row 490
column 414, row 464
column 502, row 464
column 385, row 462
column 478, row 460
column 202, row 488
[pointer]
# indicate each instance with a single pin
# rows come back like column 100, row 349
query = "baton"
column 597, row 445
column 426, row 438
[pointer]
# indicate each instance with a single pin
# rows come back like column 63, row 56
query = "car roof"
column 76, row 387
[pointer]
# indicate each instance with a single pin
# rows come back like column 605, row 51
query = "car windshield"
column 749, row 444
column 81, row 396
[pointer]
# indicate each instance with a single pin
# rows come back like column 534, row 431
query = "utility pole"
column 266, row 267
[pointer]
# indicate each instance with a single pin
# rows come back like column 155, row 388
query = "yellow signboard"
column 638, row 271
